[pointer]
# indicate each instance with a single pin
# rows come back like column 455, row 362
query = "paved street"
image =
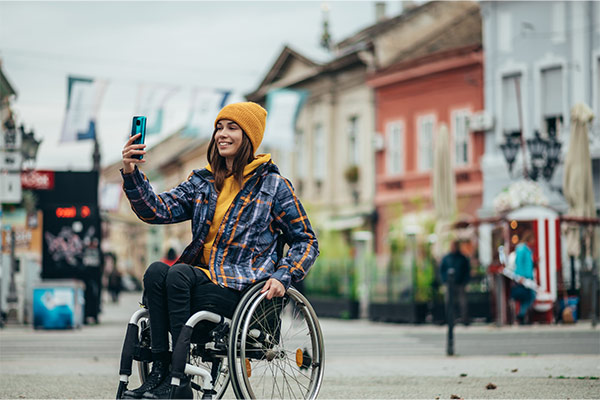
column 363, row 360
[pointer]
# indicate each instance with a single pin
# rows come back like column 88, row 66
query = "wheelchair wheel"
column 195, row 358
column 276, row 347
column 217, row 367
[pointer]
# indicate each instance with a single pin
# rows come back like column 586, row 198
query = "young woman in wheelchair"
column 238, row 205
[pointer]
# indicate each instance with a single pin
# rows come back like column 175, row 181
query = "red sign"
column 66, row 212
column 71, row 212
column 38, row 180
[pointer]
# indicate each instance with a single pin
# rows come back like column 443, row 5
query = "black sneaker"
column 160, row 371
column 163, row 391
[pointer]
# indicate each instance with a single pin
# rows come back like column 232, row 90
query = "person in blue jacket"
column 239, row 206
column 524, row 269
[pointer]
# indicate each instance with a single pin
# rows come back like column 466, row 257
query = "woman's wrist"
column 127, row 168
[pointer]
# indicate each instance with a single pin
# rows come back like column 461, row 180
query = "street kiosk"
column 544, row 222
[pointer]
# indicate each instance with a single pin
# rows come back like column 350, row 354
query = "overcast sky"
column 229, row 45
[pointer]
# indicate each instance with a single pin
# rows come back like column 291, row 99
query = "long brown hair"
column 243, row 157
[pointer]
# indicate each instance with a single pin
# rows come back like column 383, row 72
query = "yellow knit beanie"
column 250, row 116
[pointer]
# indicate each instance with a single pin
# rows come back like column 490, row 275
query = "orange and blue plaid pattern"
column 245, row 249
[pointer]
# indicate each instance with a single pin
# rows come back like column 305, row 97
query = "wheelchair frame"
column 240, row 341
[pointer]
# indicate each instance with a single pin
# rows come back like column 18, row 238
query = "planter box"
column 480, row 306
column 327, row 307
column 413, row 313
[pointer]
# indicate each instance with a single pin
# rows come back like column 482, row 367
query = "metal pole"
column 499, row 308
column 518, row 92
column 12, row 297
column 594, row 294
column 572, row 260
column 592, row 251
column 450, row 313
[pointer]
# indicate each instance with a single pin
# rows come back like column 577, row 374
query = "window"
column 552, row 96
column 299, row 155
column 319, row 152
column 299, row 160
column 596, row 179
column 597, row 85
column 460, row 134
column 558, row 22
column 353, row 149
column 395, row 148
column 504, row 32
column 425, row 127
column 510, row 108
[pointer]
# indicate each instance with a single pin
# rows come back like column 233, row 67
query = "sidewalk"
column 363, row 360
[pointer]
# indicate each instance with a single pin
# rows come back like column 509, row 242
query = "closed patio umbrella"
column 444, row 193
column 578, row 187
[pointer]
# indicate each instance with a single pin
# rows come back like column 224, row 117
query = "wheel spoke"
column 306, row 388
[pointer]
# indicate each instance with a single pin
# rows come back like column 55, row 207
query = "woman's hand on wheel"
column 129, row 150
column 274, row 288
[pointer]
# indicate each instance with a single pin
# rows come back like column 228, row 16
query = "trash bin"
column 58, row 304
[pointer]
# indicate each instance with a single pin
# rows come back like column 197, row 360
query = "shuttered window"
column 510, row 110
column 425, row 126
column 395, row 148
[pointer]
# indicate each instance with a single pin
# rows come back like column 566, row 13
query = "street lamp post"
column 28, row 149
column 29, row 146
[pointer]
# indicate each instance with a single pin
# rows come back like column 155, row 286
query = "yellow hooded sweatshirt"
column 226, row 196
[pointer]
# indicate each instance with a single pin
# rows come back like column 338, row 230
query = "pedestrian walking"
column 524, row 270
column 455, row 260
column 239, row 206
column 115, row 279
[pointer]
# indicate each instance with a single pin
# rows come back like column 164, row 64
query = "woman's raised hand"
column 129, row 150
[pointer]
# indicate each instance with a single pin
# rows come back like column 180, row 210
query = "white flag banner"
column 283, row 106
column 110, row 196
column 84, row 97
column 205, row 105
column 151, row 102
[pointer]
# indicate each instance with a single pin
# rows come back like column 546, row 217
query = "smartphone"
column 138, row 125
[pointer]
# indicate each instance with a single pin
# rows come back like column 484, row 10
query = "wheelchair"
column 268, row 349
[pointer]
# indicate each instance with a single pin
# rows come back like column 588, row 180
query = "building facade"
column 439, row 80
column 334, row 152
column 541, row 58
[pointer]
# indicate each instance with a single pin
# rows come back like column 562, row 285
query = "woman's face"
column 228, row 138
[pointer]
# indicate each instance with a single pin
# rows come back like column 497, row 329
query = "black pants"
column 174, row 293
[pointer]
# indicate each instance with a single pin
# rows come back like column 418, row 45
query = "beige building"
column 136, row 243
column 333, row 163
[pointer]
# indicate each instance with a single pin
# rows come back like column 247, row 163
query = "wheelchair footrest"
column 209, row 394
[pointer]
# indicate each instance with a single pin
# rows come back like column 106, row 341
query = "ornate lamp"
column 537, row 148
column 29, row 146
column 553, row 147
column 510, row 148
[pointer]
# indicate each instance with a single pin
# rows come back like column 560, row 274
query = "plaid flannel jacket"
column 245, row 248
